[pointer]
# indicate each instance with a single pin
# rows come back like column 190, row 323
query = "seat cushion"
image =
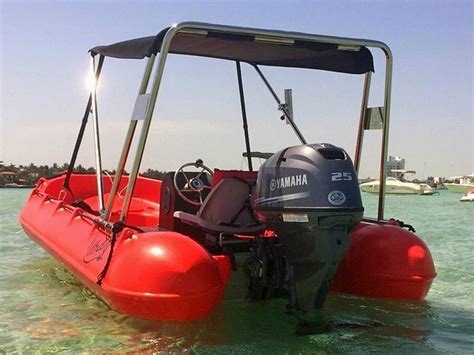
column 227, row 204
column 227, row 209
column 217, row 228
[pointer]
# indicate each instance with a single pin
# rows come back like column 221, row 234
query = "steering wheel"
column 193, row 183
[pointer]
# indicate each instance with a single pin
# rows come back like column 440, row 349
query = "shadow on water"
column 315, row 327
column 267, row 327
column 49, row 309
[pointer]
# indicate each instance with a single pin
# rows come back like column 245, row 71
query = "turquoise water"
column 45, row 309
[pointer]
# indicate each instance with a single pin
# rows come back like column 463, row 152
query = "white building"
column 395, row 163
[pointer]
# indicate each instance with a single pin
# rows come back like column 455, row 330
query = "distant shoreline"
column 17, row 186
column 26, row 176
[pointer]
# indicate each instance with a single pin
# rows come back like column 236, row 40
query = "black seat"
column 227, row 209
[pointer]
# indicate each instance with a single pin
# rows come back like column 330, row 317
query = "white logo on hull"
column 288, row 181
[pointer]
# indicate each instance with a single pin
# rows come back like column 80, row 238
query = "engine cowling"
column 309, row 195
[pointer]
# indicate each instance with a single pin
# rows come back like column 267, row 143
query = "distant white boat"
column 461, row 184
column 468, row 196
column 395, row 186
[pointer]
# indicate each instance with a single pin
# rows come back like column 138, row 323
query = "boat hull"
column 165, row 275
column 157, row 275
column 396, row 187
column 390, row 189
column 468, row 197
column 386, row 261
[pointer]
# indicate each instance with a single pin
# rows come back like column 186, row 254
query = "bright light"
column 156, row 251
column 90, row 81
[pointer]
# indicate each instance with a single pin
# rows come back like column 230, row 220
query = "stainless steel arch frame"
column 97, row 150
column 128, row 142
column 270, row 35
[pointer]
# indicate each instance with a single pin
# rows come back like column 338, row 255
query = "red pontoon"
column 168, row 249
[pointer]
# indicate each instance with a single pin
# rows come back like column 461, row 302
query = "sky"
column 44, row 63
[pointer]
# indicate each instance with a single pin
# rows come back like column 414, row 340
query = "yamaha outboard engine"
column 309, row 195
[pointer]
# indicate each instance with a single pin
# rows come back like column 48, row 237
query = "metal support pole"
column 198, row 28
column 80, row 135
column 128, row 142
column 146, row 124
column 386, row 125
column 95, row 118
column 280, row 106
column 244, row 115
column 363, row 114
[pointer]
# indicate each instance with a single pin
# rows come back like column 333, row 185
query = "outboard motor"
column 309, row 195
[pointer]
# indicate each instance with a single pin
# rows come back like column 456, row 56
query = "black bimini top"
column 250, row 48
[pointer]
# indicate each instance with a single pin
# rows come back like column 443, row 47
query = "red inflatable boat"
column 168, row 249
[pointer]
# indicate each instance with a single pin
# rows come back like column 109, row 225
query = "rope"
column 105, row 172
column 404, row 225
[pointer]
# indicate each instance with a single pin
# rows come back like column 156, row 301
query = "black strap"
column 85, row 207
column 246, row 206
column 80, row 135
column 117, row 228
column 250, row 184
